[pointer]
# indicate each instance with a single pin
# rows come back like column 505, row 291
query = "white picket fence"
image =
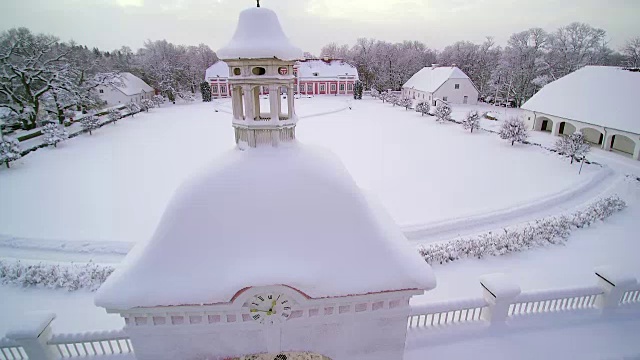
column 502, row 302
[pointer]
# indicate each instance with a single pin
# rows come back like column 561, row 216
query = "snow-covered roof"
column 598, row 95
column 232, row 226
column 429, row 79
column 132, row 85
column 218, row 70
column 325, row 69
column 259, row 36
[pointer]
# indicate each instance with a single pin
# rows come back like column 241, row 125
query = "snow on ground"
column 114, row 185
column 402, row 157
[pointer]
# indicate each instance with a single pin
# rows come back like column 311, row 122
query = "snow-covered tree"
column 358, row 88
column 375, row 93
column 442, row 112
column 631, row 52
column 471, row 121
column 405, row 103
column 393, row 99
column 423, row 107
column 146, row 104
column 514, row 130
column 158, row 100
column 9, row 150
column 114, row 115
column 54, row 133
column 205, row 90
column 90, row 122
column 133, row 108
column 574, row 146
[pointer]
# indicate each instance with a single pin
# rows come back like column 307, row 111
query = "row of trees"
column 530, row 59
column 42, row 78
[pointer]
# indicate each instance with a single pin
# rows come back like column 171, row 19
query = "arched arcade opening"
column 566, row 128
column 544, row 124
column 592, row 135
column 623, row 144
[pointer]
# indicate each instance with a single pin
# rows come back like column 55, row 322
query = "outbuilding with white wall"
column 131, row 89
column 600, row 101
column 446, row 83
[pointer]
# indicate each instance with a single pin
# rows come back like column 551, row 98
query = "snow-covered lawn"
column 114, row 185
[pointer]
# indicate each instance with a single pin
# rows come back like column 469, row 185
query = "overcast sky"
column 109, row 24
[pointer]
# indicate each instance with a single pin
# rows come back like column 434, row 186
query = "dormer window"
column 457, row 86
column 258, row 70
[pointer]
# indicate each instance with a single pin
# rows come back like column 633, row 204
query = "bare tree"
column 631, row 52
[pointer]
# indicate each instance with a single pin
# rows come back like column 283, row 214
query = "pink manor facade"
column 312, row 77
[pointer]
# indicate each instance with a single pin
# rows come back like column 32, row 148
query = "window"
column 341, row 87
column 237, row 71
column 101, row 91
column 224, row 89
column 350, row 86
column 214, row 88
column 322, row 87
column 333, row 87
column 466, row 100
column 444, row 98
column 265, row 89
column 457, row 86
column 309, row 87
column 259, row 71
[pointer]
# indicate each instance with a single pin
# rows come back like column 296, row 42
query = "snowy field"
column 113, row 186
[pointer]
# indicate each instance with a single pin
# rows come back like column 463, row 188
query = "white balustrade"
column 446, row 313
column 11, row 350
column 538, row 302
column 91, row 344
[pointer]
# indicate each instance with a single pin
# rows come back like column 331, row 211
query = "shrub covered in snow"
column 158, row 100
column 133, row 108
column 54, row 133
column 375, row 93
column 552, row 230
column 471, row 121
column 405, row 103
column 393, row 99
column 443, row 112
column 9, row 150
column 71, row 277
column 514, row 130
column 114, row 115
column 574, row 146
column 90, row 123
column 146, row 104
column 423, row 107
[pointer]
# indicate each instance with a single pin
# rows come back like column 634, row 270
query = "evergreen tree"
column 514, row 130
column 443, row 112
column 422, row 107
column 358, row 88
column 205, row 89
column 54, row 133
column 9, row 150
column 574, row 146
column 471, row 121
column 90, row 123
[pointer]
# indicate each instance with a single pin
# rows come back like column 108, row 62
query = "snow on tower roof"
column 430, row 78
column 290, row 215
column 598, row 95
column 219, row 69
column 259, row 36
column 325, row 68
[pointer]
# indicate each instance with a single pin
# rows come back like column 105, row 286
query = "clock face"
column 270, row 308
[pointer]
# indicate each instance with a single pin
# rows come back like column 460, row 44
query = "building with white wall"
column 131, row 89
column 217, row 75
column 325, row 77
column 600, row 101
column 446, row 83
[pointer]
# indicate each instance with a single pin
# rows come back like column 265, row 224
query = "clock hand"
column 256, row 310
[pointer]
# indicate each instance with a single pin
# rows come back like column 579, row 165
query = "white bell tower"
column 261, row 60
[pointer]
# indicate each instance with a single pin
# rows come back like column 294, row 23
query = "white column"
column 256, row 101
column 636, row 151
column 614, row 284
column 499, row 291
column 248, row 102
column 274, row 101
column 556, row 128
column 290, row 102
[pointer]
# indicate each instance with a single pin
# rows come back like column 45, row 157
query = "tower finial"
column 258, row 3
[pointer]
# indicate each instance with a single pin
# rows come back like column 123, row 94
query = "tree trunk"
column 513, row 142
column 89, row 131
column 7, row 162
column 572, row 160
column 472, row 129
